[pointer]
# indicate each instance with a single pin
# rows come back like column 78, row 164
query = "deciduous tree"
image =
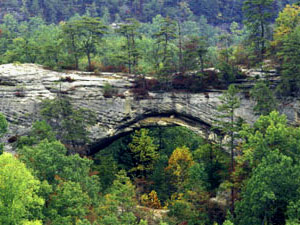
column 273, row 184
column 19, row 200
column 118, row 206
column 179, row 164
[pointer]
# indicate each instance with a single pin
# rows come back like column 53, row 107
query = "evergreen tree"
column 194, row 50
column 144, row 152
column 228, row 125
column 166, row 33
column 69, row 123
column 83, row 34
column 71, row 38
column 258, row 15
column 291, row 64
column 264, row 97
column 130, row 31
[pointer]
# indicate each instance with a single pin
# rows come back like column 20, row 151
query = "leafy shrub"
column 109, row 91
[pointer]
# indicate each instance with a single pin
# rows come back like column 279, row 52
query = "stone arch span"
column 154, row 120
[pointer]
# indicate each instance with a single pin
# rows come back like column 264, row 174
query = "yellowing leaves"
column 286, row 22
column 179, row 163
column 151, row 200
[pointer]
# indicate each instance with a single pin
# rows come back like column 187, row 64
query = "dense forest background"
column 217, row 12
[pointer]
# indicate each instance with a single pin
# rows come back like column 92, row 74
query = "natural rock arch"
column 159, row 120
column 23, row 87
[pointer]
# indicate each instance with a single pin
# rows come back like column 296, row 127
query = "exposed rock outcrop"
column 23, row 87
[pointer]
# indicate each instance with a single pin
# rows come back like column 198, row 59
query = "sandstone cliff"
column 23, row 87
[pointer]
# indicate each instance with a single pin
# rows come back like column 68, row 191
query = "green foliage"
column 169, row 138
column 69, row 123
column 180, row 211
column 3, row 125
column 167, row 32
column 144, row 152
column 227, row 122
column 162, row 182
column 190, row 207
column 118, row 206
column 37, row 222
column 68, row 204
column 215, row 162
column 40, row 131
column 107, row 168
column 229, row 125
column 258, row 14
column 130, row 31
column 293, row 212
column 228, row 222
column 194, row 50
column 49, row 161
column 273, row 184
column 179, row 164
column 286, row 22
column 290, row 65
column 269, row 133
column 85, row 33
column 3, row 129
column 264, row 97
column 71, row 182
column 19, row 200
column 108, row 90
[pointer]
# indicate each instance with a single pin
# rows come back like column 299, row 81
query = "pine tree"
column 258, row 15
column 166, row 33
column 228, row 125
column 130, row 31
column 144, row 152
column 264, row 97
column 69, row 123
column 82, row 35
column 291, row 64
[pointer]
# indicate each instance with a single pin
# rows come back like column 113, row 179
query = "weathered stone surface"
column 23, row 87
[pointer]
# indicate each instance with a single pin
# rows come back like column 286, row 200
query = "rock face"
column 23, row 87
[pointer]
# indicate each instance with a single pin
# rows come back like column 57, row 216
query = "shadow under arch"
column 156, row 120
